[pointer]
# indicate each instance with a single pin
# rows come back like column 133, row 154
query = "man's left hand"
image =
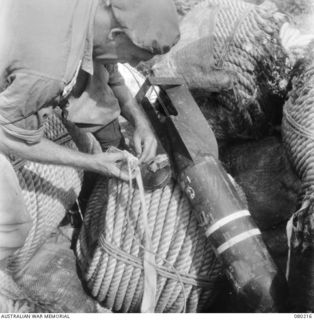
column 145, row 143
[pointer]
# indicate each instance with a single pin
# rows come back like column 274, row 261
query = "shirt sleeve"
column 24, row 96
column 115, row 77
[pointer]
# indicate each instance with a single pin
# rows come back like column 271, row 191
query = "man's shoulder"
column 46, row 34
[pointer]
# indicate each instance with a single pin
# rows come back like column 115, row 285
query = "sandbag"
column 13, row 299
column 51, row 282
column 110, row 250
column 232, row 60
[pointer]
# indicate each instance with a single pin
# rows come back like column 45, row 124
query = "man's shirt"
column 43, row 44
column 92, row 102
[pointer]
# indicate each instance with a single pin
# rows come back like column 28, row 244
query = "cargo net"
column 48, row 191
column 298, row 137
column 110, row 250
column 231, row 59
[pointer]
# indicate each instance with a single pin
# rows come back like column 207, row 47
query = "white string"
column 289, row 231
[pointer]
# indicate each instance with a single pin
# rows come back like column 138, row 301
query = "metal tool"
column 192, row 148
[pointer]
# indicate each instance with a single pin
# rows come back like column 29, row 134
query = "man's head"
column 134, row 30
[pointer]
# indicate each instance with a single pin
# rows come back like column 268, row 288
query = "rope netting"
column 110, row 250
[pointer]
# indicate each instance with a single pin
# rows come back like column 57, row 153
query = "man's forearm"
column 134, row 114
column 46, row 151
column 130, row 109
column 145, row 142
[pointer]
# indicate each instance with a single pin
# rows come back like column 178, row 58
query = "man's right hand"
column 112, row 164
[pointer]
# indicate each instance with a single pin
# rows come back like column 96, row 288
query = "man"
column 44, row 46
column 96, row 100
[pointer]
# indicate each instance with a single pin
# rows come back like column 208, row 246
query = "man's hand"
column 111, row 164
column 145, row 143
column 46, row 151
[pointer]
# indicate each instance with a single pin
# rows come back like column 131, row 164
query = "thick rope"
column 298, row 137
column 298, row 133
column 246, row 46
column 110, row 251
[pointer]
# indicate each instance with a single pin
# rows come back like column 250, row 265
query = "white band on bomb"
column 222, row 222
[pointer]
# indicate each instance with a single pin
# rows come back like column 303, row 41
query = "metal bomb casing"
column 192, row 148
column 234, row 235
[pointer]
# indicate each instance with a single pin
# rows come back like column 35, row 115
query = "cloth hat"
column 150, row 24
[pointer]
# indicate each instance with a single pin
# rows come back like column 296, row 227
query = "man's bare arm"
column 49, row 152
column 144, row 139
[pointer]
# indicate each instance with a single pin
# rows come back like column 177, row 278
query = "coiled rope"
column 298, row 137
column 256, row 59
column 110, row 254
column 245, row 45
